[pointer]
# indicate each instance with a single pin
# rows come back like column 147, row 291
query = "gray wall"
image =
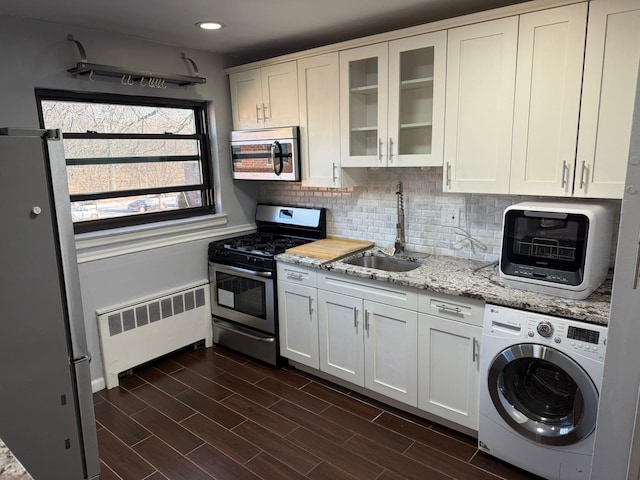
column 37, row 54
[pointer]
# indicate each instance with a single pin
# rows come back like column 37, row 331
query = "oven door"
column 546, row 246
column 243, row 296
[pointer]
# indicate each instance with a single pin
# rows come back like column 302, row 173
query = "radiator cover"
column 148, row 328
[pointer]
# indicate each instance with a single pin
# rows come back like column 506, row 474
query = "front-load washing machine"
column 540, row 378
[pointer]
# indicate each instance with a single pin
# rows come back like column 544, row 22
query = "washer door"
column 543, row 394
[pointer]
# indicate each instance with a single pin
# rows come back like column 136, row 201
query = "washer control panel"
column 584, row 338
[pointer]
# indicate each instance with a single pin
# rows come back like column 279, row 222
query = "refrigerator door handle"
column 84, row 358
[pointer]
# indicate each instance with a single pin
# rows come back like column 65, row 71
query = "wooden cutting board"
column 330, row 248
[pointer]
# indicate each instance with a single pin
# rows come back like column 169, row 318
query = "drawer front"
column 374, row 290
column 452, row 307
column 295, row 274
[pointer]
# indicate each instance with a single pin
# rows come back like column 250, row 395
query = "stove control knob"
column 545, row 329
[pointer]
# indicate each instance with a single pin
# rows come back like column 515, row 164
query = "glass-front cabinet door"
column 392, row 103
column 363, row 106
column 416, row 100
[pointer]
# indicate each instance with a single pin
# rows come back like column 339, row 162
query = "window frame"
column 201, row 135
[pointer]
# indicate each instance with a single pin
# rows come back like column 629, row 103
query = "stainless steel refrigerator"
column 46, row 407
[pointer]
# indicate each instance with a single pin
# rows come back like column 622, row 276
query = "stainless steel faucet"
column 400, row 240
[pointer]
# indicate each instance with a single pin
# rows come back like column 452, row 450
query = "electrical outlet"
column 450, row 216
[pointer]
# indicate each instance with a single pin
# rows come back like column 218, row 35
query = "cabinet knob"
column 634, row 160
column 631, row 190
column 36, row 210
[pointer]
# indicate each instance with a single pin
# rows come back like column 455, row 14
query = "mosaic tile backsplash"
column 368, row 212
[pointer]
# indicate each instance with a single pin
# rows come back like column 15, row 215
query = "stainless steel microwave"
column 266, row 154
column 561, row 249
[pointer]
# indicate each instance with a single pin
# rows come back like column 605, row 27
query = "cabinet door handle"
column 380, row 150
column 366, row 321
column 565, row 169
column 476, row 348
column 264, row 111
column 355, row 318
column 258, row 108
column 390, row 150
column 334, row 172
column 310, row 306
column 448, row 176
column 582, row 172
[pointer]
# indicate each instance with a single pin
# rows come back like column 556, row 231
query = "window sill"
column 122, row 241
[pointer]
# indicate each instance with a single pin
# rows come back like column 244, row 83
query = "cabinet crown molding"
column 518, row 9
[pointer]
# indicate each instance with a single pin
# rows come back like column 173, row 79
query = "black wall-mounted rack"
column 133, row 76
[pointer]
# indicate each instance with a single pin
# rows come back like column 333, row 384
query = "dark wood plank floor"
column 214, row 414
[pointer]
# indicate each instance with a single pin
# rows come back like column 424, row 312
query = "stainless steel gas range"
column 242, row 275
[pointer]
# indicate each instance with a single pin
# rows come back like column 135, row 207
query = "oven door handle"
column 243, row 270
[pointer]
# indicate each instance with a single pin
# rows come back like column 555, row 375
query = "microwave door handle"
column 276, row 170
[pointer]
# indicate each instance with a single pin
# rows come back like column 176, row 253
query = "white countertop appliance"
column 557, row 248
column 540, row 379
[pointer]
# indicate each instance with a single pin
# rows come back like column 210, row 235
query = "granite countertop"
column 474, row 279
column 10, row 467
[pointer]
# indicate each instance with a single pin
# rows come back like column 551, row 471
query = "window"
column 131, row 160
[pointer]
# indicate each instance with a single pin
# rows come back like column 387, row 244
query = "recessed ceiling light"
column 210, row 25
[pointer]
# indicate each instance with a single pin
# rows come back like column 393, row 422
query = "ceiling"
column 255, row 29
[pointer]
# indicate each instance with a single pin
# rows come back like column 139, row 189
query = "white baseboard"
column 97, row 385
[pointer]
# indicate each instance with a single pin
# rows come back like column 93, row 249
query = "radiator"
column 148, row 328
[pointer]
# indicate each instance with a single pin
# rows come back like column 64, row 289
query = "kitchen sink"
column 388, row 264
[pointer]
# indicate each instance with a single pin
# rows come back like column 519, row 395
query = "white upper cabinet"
column 363, row 106
column 392, row 103
column 265, row 97
column 417, row 75
column 568, row 98
column 610, row 73
column 319, row 100
column 547, row 101
column 481, row 68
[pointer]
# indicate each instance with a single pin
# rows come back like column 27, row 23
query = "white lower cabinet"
column 341, row 327
column 391, row 352
column 421, row 349
column 449, row 357
column 369, row 344
column 298, row 315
